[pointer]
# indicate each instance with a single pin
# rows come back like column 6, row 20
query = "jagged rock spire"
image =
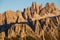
column 10, row 16
column 44, row 20
column 37, row 27
column 20, row 17
column 2, row 18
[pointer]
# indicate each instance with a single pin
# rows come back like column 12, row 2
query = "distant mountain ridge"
column 41, row 23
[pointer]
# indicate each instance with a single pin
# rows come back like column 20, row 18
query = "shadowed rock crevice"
column 38, row 22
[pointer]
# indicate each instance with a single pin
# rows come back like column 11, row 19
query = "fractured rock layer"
column 36, row 21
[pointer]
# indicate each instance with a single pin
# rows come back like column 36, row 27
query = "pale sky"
column 21, row 4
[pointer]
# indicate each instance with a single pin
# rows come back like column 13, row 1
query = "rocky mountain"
column 34, row 23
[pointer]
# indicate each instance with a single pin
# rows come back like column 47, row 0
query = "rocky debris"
column 36, row 21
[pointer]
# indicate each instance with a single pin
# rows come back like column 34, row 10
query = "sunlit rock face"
column 10, row 16
column 14, row 30
column 2, row 18
column 20, row 17
column 41, row 23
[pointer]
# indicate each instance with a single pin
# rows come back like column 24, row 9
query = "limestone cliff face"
column 2, row 19
column 35, row 21
column 10, row 16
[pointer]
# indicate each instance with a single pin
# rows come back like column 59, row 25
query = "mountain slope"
column 35, row 23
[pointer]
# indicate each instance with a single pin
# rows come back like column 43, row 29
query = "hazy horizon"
column 20, row 5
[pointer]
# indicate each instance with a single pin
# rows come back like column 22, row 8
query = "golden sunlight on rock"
column 34, row 23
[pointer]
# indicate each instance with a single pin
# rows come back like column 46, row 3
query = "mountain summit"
column 34, row 23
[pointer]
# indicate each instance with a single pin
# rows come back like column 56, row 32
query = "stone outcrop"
column 20, row 17
column 39, row 22
column 10, row 16
column 2, row 19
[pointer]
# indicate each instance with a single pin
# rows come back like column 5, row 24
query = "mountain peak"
column 37, row 22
